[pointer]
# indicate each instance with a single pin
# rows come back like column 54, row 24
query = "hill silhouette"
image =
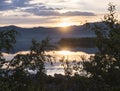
column 25, row 35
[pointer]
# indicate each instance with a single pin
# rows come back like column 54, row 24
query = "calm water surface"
column 57, row 55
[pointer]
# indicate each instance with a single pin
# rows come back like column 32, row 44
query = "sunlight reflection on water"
column 57, row 55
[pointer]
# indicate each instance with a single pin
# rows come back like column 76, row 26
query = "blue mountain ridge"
column 25, row 35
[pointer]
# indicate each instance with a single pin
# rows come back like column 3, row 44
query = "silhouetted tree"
column 67, row 66
column 7, row 40
column 104, row 67
column 21, row 65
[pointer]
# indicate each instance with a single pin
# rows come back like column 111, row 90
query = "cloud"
column 13, row 4
column 44, row 11
column 58, row 1
column 4, row 5
column 20, row 3
column 39, row 9
column 78, row 13
column 28, row 21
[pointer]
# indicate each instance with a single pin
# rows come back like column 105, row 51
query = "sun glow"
column 65, row 24
column 65, row 52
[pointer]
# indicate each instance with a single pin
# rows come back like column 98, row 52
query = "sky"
column 52, row 13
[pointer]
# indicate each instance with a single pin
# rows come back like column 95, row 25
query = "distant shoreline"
column 86, row 42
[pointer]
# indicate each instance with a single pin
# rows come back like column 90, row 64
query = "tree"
column 21, row 65
column 104, row 67
column 67, row 66
column 7, row 40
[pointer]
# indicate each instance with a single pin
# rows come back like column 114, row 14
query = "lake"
column 57, row 55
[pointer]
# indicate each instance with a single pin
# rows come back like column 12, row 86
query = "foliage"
column 67, row 66
column 27, row 72
column 29, row 69
column 7, row 40
column 104, row 67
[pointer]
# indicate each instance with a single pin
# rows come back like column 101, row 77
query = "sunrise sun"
column 65, row 24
